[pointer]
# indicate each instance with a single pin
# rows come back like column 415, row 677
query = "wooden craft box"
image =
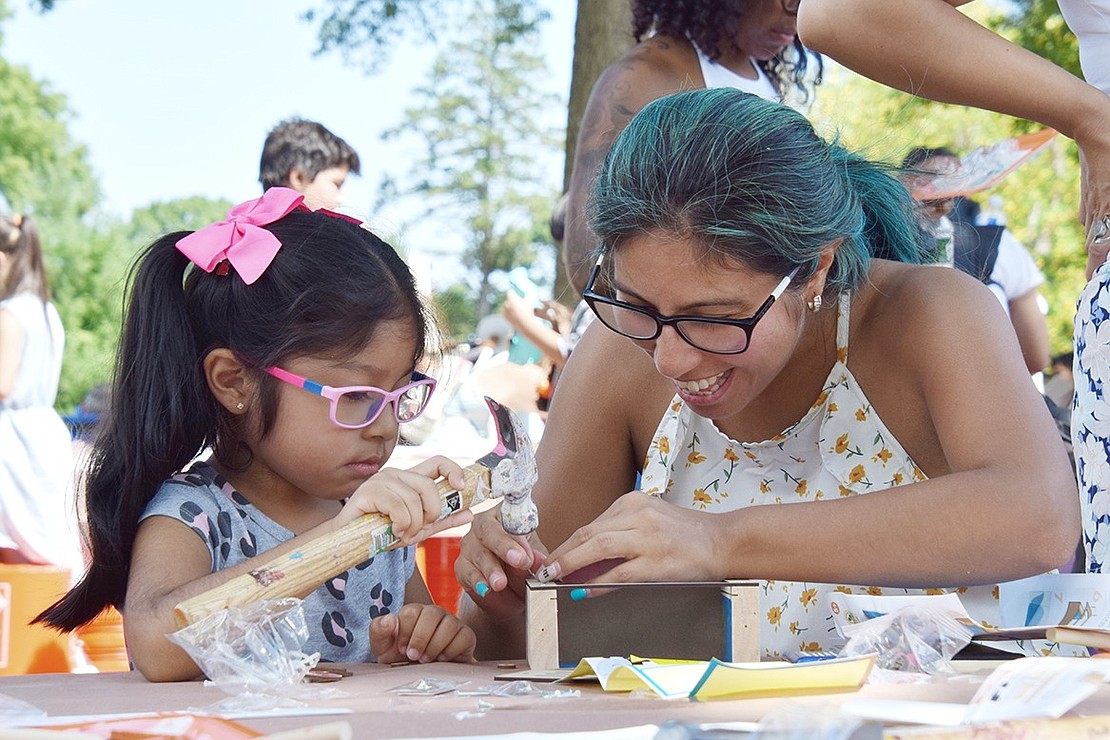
column 699, row 621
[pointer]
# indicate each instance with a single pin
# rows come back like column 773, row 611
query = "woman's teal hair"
column 751, row 181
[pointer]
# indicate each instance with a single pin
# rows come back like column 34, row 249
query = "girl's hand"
column 409, row 498
column 640, row 538
column 492, row 565
column 421, row 632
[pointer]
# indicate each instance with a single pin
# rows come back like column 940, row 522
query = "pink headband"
column 240, row 239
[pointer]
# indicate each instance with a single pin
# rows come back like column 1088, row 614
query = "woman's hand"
column 493, row 565
column 1094, row 203
column 644, row 539
column 423, row 633
column 409, row 498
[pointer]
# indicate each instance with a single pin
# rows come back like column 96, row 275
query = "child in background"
column 36, row 511
column 238, row 338
column 307, row 157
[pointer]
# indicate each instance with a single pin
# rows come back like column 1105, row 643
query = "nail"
column 516, row 558
column 413, row 654
column 578, row 594
column 548, row 573
column 481, row 588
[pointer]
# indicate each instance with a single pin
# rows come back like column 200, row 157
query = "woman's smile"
column 704, row 391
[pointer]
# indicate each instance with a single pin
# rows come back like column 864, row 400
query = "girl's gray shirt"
column 338, row 613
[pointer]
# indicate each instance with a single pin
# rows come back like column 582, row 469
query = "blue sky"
column 174, row 99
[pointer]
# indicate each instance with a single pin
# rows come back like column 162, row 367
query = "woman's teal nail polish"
column 481, row 588
column 578, row 594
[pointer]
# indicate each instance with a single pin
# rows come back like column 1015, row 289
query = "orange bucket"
column 435, row 557
column 103, row 641
column 25, row 590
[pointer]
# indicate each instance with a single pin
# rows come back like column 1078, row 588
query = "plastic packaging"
column 910, row 639
column 427, row 687
column 255, row 652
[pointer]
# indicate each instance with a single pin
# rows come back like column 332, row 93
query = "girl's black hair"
column 712, row 24
column 328, row 289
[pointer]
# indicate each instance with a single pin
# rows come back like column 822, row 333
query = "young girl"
column 287, row 342
column 35, row 447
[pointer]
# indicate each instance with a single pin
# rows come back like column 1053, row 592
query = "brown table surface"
column 377, row 713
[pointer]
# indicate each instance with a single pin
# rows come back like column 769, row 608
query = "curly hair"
column 711, row 25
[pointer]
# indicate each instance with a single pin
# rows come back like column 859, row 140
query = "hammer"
column 507, row 472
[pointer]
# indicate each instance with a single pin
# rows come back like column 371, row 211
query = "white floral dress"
column 1090, row 421
column 839, row 448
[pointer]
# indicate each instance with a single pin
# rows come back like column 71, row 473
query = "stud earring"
column 239, row 406
column 815, row 303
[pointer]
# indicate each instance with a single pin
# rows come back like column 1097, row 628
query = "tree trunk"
column 602, row 32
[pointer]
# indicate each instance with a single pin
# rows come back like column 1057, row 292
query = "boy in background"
column 306, row 156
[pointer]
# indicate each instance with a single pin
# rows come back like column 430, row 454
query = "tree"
column 361, row 31
column 481, row 141
column 602, row 33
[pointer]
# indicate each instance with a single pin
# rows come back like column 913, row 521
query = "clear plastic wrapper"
column 428, row 687
column 522, row 688
column 255, row 653
column 910, row 639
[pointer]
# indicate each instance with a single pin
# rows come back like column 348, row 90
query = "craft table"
column 380, row 714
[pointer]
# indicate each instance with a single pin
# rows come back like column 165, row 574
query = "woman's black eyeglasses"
column 719, row 336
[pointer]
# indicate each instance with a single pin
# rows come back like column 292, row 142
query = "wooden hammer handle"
column 300, row 571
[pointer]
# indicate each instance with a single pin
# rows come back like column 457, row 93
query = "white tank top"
column 717, row 75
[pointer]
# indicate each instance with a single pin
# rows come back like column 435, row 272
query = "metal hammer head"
column 512, row 466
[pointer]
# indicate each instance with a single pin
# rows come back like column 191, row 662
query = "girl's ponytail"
column 159, row 418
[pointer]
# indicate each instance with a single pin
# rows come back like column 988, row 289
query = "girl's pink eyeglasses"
column 357, row 406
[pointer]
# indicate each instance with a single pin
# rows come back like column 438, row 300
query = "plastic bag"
column 910, row 639
column 255, row 652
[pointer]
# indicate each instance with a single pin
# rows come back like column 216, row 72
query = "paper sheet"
column 1027, row 688
column 986, row 166
column 715, row 679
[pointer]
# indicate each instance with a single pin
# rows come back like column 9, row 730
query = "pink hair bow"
column 240, row 239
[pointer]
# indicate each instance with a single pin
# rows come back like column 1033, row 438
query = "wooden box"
column 697, row 620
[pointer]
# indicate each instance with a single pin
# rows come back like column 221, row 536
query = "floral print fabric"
column 1090, row 422
column 338, row 613
column 839, row 448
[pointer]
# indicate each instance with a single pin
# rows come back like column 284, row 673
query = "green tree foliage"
column 1038, row 26
column 1041, row 197
column 476, row 117
column 456, row 306
column 183, row 214
column 362, row 31
column 90, row 281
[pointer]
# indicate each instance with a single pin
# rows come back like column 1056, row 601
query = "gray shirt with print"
column 338, row 613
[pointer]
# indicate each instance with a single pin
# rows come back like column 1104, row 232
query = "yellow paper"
column 782, row 679
column 717, row 679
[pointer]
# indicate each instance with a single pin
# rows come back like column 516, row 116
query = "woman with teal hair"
column 761, row 341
